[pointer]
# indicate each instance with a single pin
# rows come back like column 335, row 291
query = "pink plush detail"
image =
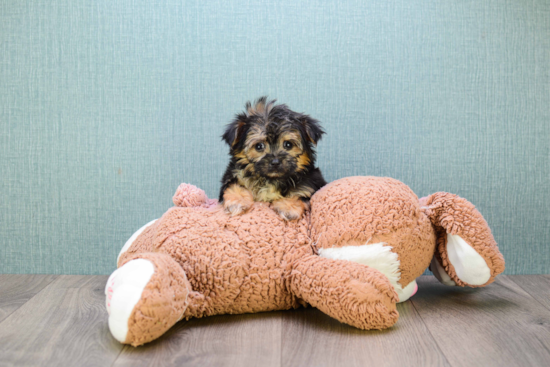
column 415, row 290
column 188, row 195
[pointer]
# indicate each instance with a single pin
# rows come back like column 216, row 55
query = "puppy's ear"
column 233, row 131
column 313, row 130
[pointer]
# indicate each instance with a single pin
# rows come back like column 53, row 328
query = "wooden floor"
column 61, row 321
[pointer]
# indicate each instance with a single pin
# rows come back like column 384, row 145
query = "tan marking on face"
column 290, row 208
column 254, row 155
column 294, row 138
column 241, row 158
column 237, row 199
column 256, row 135
column 302, row 162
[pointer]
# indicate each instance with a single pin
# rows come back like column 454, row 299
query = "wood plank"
column 64, row 325
column 61, row 320
column 538, row 286
column 16, row 289
column 227, row 340
column 311, row 338
column 499, row 325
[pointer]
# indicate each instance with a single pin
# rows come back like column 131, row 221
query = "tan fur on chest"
column 260, row 188
column 267, row 193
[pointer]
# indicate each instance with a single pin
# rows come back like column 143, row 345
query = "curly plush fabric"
column 451, row 214
column 155, row 313
column 349, row 292
column 374, row 210
column 207, row 262
column 190, row 195
column 234, row 264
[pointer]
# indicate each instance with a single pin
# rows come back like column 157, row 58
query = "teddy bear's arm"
column 349, row 292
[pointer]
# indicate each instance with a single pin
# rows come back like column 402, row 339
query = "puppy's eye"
column 259, row 147
column 287, row 144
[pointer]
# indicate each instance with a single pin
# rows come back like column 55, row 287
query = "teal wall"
column 106, row 106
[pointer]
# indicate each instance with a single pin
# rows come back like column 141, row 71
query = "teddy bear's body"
column 233, row 264
column 355, row 255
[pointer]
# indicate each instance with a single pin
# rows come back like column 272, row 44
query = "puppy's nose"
column 275, row 162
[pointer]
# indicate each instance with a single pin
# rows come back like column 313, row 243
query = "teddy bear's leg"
column 347, row 291
column 378, row 256
column 145, row 297
column 466, row 252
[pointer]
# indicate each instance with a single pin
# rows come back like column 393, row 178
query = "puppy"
column 272, row 160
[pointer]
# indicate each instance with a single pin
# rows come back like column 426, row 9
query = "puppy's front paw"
column 290, row 208
column 237, row 200
column 235, row 208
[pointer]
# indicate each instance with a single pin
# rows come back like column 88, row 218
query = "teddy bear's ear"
column 234, row 131
column 464, row 242
column 312, row 128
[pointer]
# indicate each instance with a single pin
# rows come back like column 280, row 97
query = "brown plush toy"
column 354, row 256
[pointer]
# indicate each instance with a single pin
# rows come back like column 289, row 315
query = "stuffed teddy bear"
column 353, row 256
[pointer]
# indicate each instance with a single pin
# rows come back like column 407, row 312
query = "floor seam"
column 429, row 331
column 526, row 291
column 34, row 295
column 118, row 355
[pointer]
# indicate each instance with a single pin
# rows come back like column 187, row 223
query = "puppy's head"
column 272, row 141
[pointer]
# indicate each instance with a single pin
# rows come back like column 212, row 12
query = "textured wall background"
column 106, row 106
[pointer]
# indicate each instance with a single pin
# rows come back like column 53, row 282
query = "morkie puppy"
column 272, row 160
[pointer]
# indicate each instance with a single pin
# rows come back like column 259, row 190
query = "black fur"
column 275, row 120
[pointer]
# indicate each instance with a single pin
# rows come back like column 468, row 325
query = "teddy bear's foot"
column 145, row 297
column 123, row 291
column 352, row 293
column 406, row 292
